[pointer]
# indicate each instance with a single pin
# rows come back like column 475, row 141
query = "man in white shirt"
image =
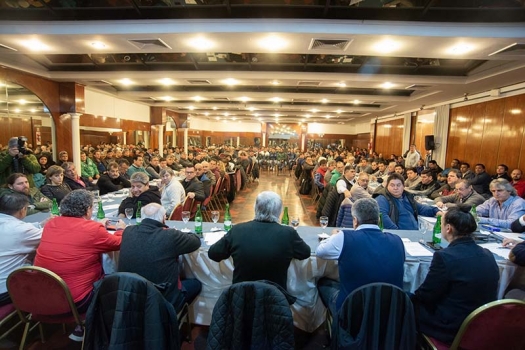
column 18, row 241
column 412, row 157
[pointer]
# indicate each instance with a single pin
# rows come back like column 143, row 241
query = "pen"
column 491, row 228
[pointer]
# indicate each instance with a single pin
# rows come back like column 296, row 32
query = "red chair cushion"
column 6, row 310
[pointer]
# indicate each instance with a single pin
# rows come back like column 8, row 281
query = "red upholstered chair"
column 41, row 295
column 496, row 325
column 176, row 213
column 7, row 312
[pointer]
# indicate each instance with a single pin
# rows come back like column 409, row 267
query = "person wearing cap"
column 13, row 161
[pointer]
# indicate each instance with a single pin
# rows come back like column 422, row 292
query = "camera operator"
column 18, row 159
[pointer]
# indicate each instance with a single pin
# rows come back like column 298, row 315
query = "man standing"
column 365, row 255
column 112, row 181
column 14, row 161
column 517, row 182
column 412, row 157
column 18, row 240
column 193, row 187
column 464, row 194
column 263, row 248
column 152, row 250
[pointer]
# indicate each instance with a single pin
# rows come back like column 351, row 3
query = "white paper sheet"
column 212, row 237
column 416, row 249
column 497, row 249
column 111, row 206
column 510, row 235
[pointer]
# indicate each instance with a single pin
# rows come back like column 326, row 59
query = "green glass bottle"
column 380, row 224
column 285, row 220
column 436, row 233
column 198, row 221
column 54, row 208
column 474, row 213
column 100, row 213
column 137, row 214
column 227, row 218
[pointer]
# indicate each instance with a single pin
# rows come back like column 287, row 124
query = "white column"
column 186, row 140
column 238, row 141
column 441, row 123
column 264, row 139
column 407, row 124
column 75, row 136
column 303, row 142
column 161, row 138
column 174, row 138
column 124, row 134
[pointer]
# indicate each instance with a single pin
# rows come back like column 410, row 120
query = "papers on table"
column 497, row 249
column 111, row 206
column 212, row 237
column 511, row 235
column 416, row 249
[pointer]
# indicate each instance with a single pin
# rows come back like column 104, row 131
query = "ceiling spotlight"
column 276, row 82
column 166, row 81
column 200, row 43
column 422, row 107
column 99, row 45
column 126, row 81
column 272, row 43
column 324, row 100
column 276, row 99
column 386, row 46
column 387, row 85
column 230, row 81
column 34, row 45
column 465, row 96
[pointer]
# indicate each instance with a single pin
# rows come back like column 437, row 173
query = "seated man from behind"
column 18, row 240
column 365, row 255
column 263, row 248
column 112, row 181
column 462, row 277
column 152, row 250
column 399, row 209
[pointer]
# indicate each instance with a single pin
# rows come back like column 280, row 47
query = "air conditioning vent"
column 98, row 82
column 299, row 100
column 148, row 43
column 198, row 82
column 329, row 44
column 418, row 87
column 221, row 99
column 308, row 83
column 5, row 47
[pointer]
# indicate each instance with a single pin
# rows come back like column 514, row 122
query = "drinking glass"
column 295, row 222
column 323, row 220
column 129, row 214
column 185, row 218
column 423, row 229
column 215, row 217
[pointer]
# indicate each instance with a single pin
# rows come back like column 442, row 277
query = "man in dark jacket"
column 152, row 250
column 261, row 249
column 193, row 187
column 481, row 181
column 140, row 192
column 112, row 181
column 14, row 161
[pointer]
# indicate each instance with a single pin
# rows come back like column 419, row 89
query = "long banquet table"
column 308, row 310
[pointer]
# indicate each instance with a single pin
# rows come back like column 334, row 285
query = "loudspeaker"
column 429, row 142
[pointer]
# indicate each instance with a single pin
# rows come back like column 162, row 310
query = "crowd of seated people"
column 355, row 188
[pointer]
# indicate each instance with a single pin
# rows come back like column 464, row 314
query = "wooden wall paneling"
column 474, row 123
column 454, row 134
column 511, row 133
column 520, row 114
column 492, row 134
column 154, row 137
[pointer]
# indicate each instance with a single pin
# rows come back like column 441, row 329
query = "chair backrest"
column 41, row 293
column 376, row 316
column 254, row 315
column 176, row 213
column 496, row 325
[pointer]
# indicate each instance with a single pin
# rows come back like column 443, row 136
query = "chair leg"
column 24, row 336
column 41, row 329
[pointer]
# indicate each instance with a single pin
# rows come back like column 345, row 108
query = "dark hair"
column 395, row 176
column 348, row 168
column 411, row 169
column 55, row 169
column 400, row 165
column 13, row 177
column 11, row 203
column 455, row 171
column 461, row 220
column 504, row 167
column 123, row 161
column 429, row 172
column 76, row 203
column 112, row 165
column 322, row 162
column 137, row 155
column 432, row 162
column 481, row 165
column 465, row 163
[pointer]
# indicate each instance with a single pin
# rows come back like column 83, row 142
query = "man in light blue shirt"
column 504, row 207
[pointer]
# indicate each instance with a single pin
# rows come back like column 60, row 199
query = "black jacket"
column 128, row 313
column 194, row 186
column 240, row 323
column 107, row 184
column 145, row 198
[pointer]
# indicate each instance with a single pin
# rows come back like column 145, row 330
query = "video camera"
column 22, row 140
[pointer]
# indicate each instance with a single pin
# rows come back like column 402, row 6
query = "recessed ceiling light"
column 218, row 118
column 244, row 99
column 356, row 102
column 214, row 108
column 303, row 120
column 328, row 116
column 226, row 114
column 200, row 43
column 99, row 45
column 387, row 85
column 260, row 119
column 387, row 46
column 251, row 109
column 276, row 82
column 307, row 115
column 460, row 49
column 167, row 98
column 191, row 108
column 22, row 101
column 341, row 84
column 273, row 43
column 32, row 110
column 166, row 81
column 34, row 45
column 206, row 113
column 233, row 118
column 314, row 110
column 256, row 115
column 339, row 111
column 276, row 115
column 16, row 110
column 276, row 99
column 324, row 100
column 515, row 111
column 126, row 81
column 230, row 81
column 198, row 98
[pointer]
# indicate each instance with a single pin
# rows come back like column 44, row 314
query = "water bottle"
column 137, row 214
column 436, row 233
column 54, row 208
column 285, row 220
column 227, row 218
column 380, row 224
column 100, row 213
column 198, row 221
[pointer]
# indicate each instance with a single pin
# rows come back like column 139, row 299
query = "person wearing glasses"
column 140, row 192
column 464, row 194
column 192, row 186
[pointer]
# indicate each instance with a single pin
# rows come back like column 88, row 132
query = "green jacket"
column 28, row 165
column 88, row 168
column 36, row 199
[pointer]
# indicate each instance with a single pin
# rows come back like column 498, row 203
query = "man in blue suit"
column 365, row 255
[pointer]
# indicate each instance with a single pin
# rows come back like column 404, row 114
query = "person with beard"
column 18, row 183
